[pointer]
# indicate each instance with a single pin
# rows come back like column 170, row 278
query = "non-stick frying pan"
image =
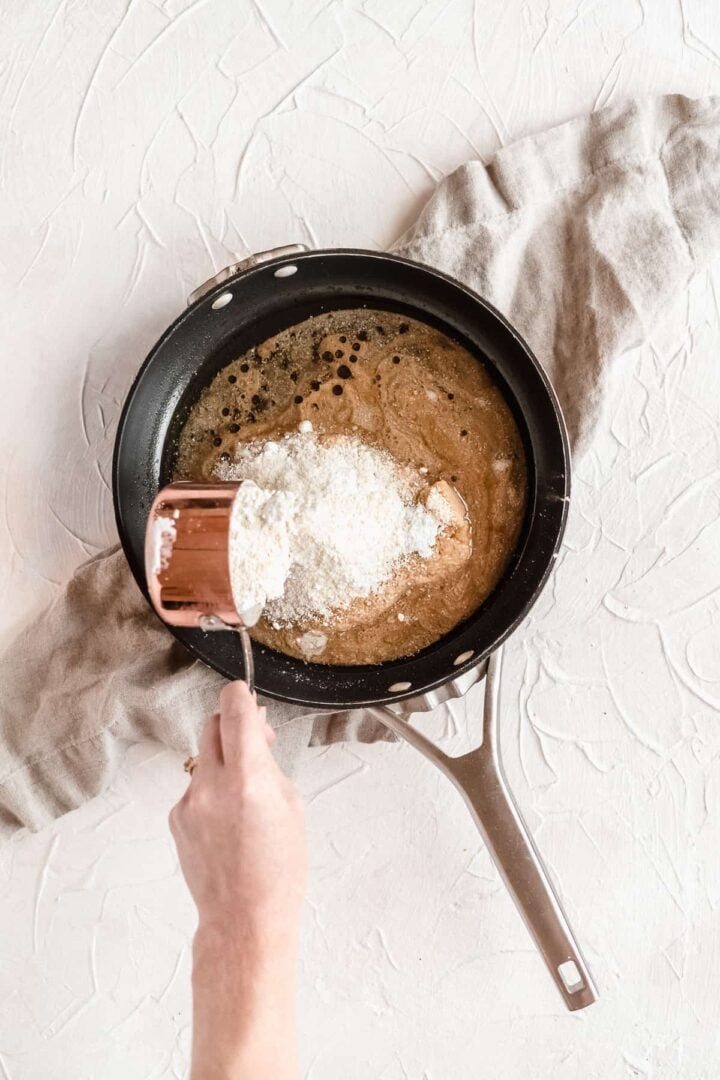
column 241, row 307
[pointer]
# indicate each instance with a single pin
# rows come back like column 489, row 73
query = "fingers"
column 242, row 722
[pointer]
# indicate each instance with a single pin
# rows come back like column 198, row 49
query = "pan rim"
column 191, row 640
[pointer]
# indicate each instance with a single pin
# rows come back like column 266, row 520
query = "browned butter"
column 402, row 385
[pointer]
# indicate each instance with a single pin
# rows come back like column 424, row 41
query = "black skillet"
column 241, row 307
column 205, row 338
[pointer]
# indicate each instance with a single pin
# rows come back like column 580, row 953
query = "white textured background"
column 146, row 144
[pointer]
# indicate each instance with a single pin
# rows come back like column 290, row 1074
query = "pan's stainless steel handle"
column 480, row 778
column 252, row 260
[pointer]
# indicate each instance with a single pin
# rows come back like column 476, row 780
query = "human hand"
column 241, row 843
column 239, row 826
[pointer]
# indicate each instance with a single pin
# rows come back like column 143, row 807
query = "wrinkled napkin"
column 581, row 236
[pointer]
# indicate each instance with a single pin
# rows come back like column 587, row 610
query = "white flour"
column 163, row 534
column 314, row 526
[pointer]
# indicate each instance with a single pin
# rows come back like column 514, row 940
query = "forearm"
column 243, row 1007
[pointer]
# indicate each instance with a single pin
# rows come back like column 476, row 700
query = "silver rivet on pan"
column 285, row 271
column 463, row 657
column 222, row 301
column 397, row 687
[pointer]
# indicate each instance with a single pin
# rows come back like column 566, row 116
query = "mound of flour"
column 316, row 525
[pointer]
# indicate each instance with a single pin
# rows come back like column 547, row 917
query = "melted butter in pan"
column 403, row 386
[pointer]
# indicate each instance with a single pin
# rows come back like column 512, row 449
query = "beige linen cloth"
column 580, row 236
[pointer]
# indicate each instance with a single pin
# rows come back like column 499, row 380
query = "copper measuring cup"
column 187, row 562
